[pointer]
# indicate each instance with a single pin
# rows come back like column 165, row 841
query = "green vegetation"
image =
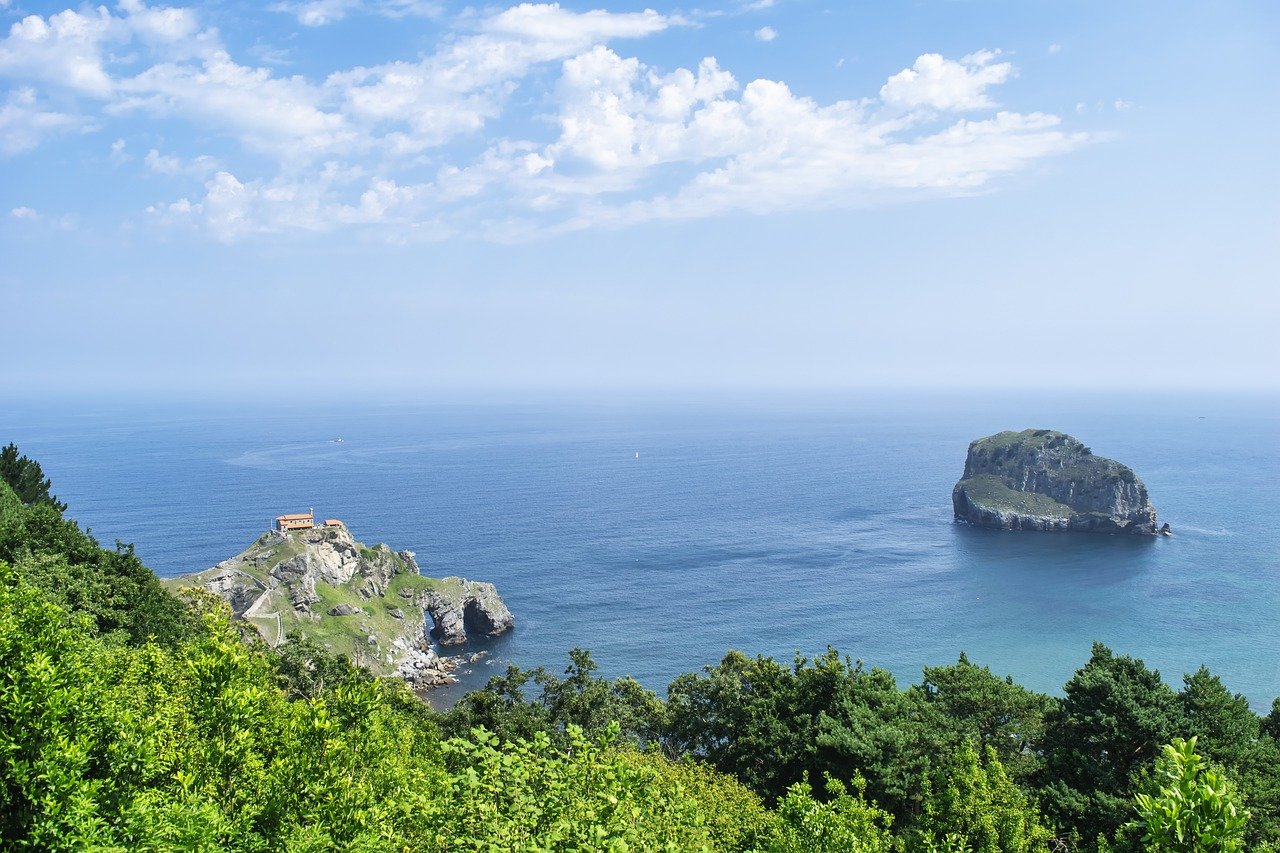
column 1192, row 806
column 990, row 491
column 120, row 596
column 24, row 476
column 132, row 720
column 1009, row 439
column 274, row 617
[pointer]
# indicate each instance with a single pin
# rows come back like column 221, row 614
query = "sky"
column 407, row 197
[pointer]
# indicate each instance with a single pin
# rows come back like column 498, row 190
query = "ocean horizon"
column 661, row 531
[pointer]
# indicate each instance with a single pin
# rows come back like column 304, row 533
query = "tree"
column 510, row 709
column 1194, row 808
column 769, row 725
column 122, row 595
column 994, row 711
column 973, row 805
column 1226, row 729
column 26, row 479
column 1271, row 723
column 1230, row 734
column 1110, row 725
column 846, row 823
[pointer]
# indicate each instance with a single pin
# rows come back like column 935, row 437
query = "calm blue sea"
column 774, row 525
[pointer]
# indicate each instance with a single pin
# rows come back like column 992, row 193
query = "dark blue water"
column 772, row 525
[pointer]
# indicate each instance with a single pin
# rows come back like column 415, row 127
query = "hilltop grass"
column 1011, row 438
column 991, row 492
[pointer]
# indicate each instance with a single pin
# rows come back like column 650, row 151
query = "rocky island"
column 369, row 604
column 1040, row 479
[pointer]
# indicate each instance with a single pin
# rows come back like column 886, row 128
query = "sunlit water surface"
column 768, row 525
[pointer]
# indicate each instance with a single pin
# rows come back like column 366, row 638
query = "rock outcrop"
column 461, row 608
column 1045, row 480
column 370, row 604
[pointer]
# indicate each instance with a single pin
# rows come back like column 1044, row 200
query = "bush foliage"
column 133, row 720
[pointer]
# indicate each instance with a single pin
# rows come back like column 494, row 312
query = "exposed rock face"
column 238, row 589
column 367, row 603
column 300, row 559
column 463, row 608
column 1046, row 480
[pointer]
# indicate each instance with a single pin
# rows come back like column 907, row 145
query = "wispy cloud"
column 318, row 13
column 364, row 149
column 32, row 216
column 25, row 122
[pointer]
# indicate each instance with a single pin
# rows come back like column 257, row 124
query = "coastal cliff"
column 1040, row 479
column 369, row 604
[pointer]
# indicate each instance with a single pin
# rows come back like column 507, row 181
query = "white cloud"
column 1055, row 48
column 766, row 34
column 318, row 13
column 614, row 140
column 943, row 84
column 24, row 123
column 65, row 50
column 398, row 109
column 456, row 90
column 31, row 215
column 615, row 114
column 756, row 149
column 556, row 30
column 1122, row 105
column 168, row 164
column 282, row 115
column 68, row 48
column 269, row 54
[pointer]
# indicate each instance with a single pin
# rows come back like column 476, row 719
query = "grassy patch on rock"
column 991, row 492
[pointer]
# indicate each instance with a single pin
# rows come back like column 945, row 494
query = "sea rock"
column 1040, row 479
column 461, row 609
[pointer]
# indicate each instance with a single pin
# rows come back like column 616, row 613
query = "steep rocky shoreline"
column 1040, row 479
column 370, row 604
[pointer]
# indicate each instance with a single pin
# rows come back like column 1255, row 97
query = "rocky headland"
column 369, row 604
column 1040, row 479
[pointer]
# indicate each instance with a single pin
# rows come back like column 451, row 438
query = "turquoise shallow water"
column 772, row 525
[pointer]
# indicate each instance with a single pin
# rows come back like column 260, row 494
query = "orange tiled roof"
column 295, row 517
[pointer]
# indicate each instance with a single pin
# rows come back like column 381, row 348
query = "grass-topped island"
column 1041, row 479
column 367, row 604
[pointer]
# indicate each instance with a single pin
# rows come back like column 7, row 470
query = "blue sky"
column 407, row 196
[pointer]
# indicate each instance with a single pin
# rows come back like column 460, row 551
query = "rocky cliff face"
column 471, row 609
column 370, row 604
column 1047, row 480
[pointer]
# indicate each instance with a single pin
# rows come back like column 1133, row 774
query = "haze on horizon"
column 383, row 196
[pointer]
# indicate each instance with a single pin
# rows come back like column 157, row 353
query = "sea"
column 659, row 530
